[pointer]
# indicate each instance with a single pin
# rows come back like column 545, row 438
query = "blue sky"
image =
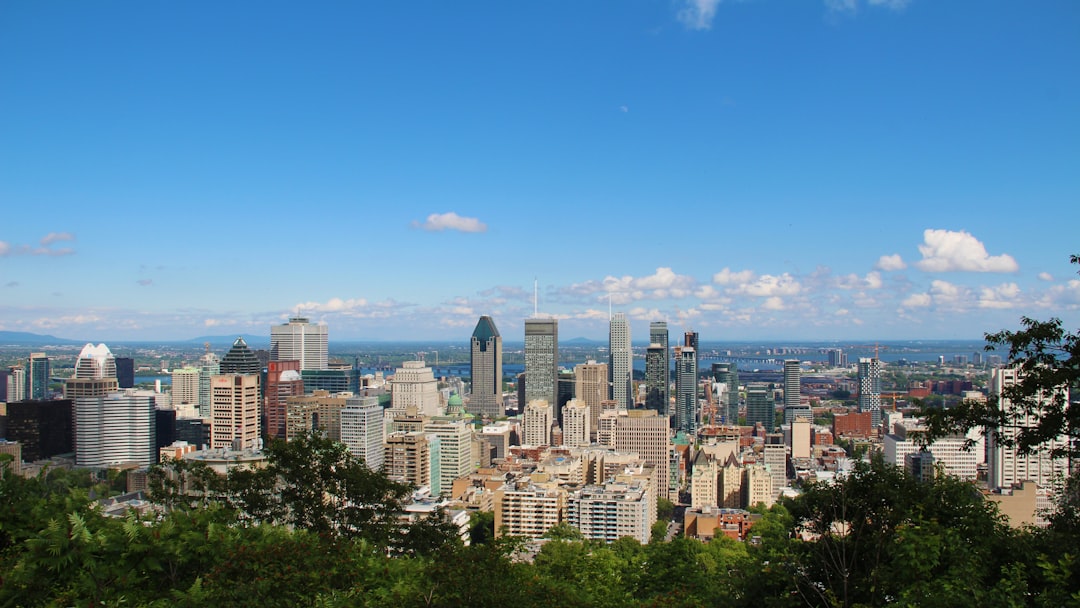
column 766, row 169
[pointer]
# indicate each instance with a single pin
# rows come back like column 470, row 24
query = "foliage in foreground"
column 876, row 538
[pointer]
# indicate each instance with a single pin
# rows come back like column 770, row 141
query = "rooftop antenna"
column 609, row 315
column 536, row 301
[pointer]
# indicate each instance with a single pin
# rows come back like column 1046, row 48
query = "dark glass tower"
column 485, row 369
column 240, row 360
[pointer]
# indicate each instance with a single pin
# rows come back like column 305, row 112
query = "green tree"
column 1048, row 359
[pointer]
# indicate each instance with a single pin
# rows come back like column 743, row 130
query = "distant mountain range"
column 251, row 339
column 24, row 338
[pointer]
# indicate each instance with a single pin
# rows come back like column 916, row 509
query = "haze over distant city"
column 843, row 169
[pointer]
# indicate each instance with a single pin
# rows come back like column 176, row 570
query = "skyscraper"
column 485, row 368
column 209, row 366
column 362, row 430
column 591, row 388
column 870, row 388
column 37, row 376
column 240, row 360
column 235, row 421
column 575, row 424
column 283, row 381
column 536, row 424
column 793, row 407
column 541, row 360
column 414, row 385
column 1006, row 464
column 300, row 340
column 760, row 405
column 686, row 401
column 125, row 372
column 95, row 373
column 658, row 369
column 620, row 359
column 115, row 428
column 728, row 374
column 646, row 434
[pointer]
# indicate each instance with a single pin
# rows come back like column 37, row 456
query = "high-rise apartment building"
column 16, row 384
column 793, row 407
column 414, row 385
column 37, row 376
column 536, row 426
column 620, row 360
column 300, row 340
column 407, row 458
column 686, row 400
column 727, row 374
column 576, row 429
column 612, row 511
column 1007, row 465
column 870, row 388
column 185, row 387
column 362, row 430
column 235, row 411
column 760, row 405
column 117, row 428
column 658, row 369
column 541, row 360
column 485, row 368
column 591, row 388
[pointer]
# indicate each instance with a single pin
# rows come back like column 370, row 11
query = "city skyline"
column 855, row 170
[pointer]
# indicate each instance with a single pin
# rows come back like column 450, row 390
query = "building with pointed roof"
column 240, row 360
column 485, row 365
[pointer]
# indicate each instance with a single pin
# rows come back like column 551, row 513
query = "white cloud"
column 872, row 280
column 54, row 237
column 1046, row 276
column 698, row 14
column 773, row 303
column 4, row 248
column 917, row 300
column 727, row 277
column 1005, row 295
column 947, row 250
column 841, row 6
column 890, row 262
column 663, row 284
column 768, row 285
column 843, row 312
column 437, row 222
column 331, row 305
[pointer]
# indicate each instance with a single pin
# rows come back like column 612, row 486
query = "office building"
column 37, row 376
column 239, row 360
column 283, row 381
column 43, row 428
column 414, row 386
column 234, row 412
column 658, row 369
column 95, row 373
column 760, row 405
column 591, row 388
column 620, row 360
column 485, row 369
column 300, row 340
column 541, row 360
column 536, row 425
column 16, row 384
column 318, row 412
column 362, row 430
column 837, row 357
column 1007, row 465
column 686, row 399
column 869, row 371
column 646, row 433
column 118, row 428
column 727, row 375
column 209, row 366
column 455, row 457
column 125, row 372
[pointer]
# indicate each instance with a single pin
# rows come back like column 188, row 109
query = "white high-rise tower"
column 300, row 340
column 621, row 359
